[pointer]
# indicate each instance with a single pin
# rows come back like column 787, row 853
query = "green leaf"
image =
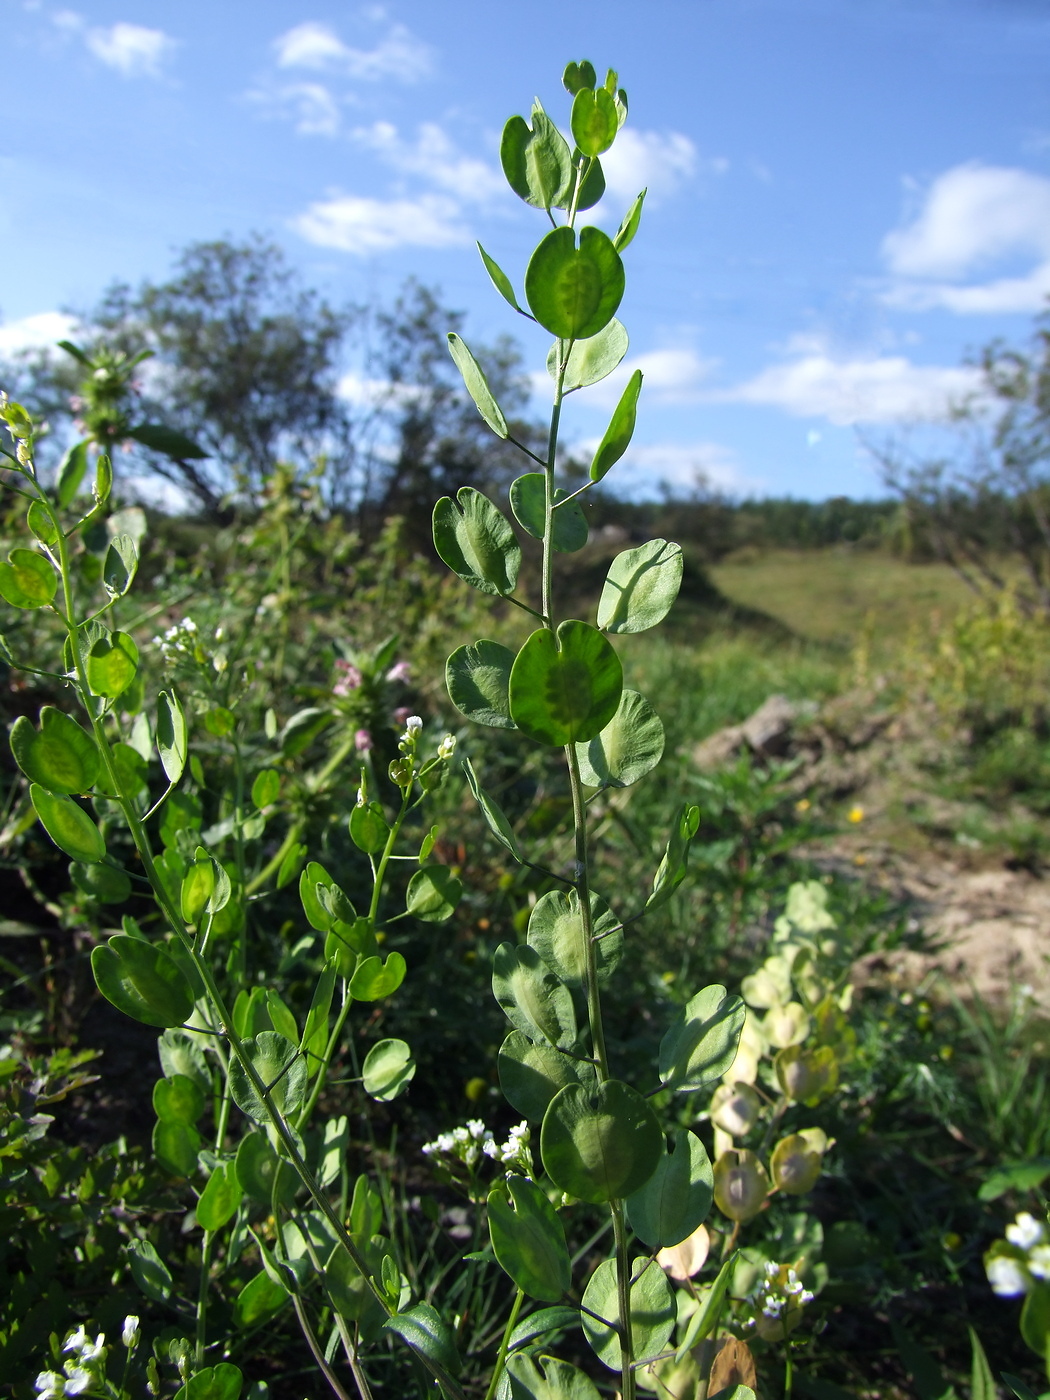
column 106, row 883
column 348, row 1288
column 68, row 825
column 652, row 1312
column 572, row 291
column 369, row 828
column 149, row 1270
column 220, row 1198
column 592, row 188
column 222, row 1382
column 58, row 757
column 282, row 1070
column 1018, row 1387
column 119, row 566
column 577, row 76
column 178, row 1099
column 427, row 1333
column 317, row 914
column 39, row 520
column 565, row 689
column 260, row 1299
column 282, row 1020
column 375, row 979
column 528, row 1240
column 112, row 664
column 629, row 746
column 257, row 1168
column 600, row 1142
column 672, row 868
column 547, row 1378
column 477, row 385
column 590, row 360
column 1021, row 1176
column 175, row 1147
column 103, row 481
column 531, row 1073
column 982, row 1382
column 303, row 728
column 556, row 933
column 181, row 1054
column 71, row 473
column 706, row 1318
column 433, row 894
column 166, row 440
column 536, row 160
column 291, row 865
column 142, row 980
column 701, row 1042
column 198, row 886
column 528, row 500
column 677, row 1197
column 388, row 1070
column 618, row 434
column 172, row 737
column 267, row 788
column 500, row 281
column 315, row 1033
column 28, row 580
column 1035, row 1319
column 629, row 227
column 532, row 997
column 495, row 818
column 476, row 541
column 478, row 682
column 594, row 121
column 640, row 587
column 366, row 1208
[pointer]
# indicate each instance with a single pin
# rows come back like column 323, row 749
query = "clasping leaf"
column 529, row 1240
column 476, row 541
column 640, row 587
column 572, row 291
column 701, row 1042
column 536, row 160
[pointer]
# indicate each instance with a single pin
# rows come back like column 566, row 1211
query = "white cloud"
column 659, row 161
column 314, row 110
column 681, row 467
column 974, row 219
column 669, row 376
column 399, row 55
column 434, row 156
column 131, row 49
column 884, row 389
column 35, row 332
column 358, row 225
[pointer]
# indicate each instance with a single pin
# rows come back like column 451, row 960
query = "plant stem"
column 623, row 1289
column 504, row 1345
column 583, row 889
column 202, row 1295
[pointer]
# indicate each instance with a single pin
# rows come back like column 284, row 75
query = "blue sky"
column 844, row 200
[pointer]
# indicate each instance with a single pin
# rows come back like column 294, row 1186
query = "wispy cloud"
column 130, row 49
column 678, row 467
column 399, row 54
column 434, row 157
column 35, row 332
column 975, row 221
column 355, row 224
column 658, row 160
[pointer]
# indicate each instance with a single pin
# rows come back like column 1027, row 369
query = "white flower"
column 77, row 1340
column 49, row 1384
column 1039, row 1261
column 1025, row 1232
column 78, row 1381
column 1006, row 1277
column 447, row 747
column 413, row 725
column 130, row 1334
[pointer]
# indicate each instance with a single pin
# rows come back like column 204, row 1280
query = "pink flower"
column 362, row 741
column 400, row 671
column 349, row 678
column 401, row 714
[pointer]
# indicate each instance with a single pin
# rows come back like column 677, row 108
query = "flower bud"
column 741, row 1184
column 734, row 1108
column 130, row 1334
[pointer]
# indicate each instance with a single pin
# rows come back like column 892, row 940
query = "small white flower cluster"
column 179, row 640
column 780, row 1291
column 87, row 1362
column 447, row 747
column 1013, row 1271
column 466, row 1144
column 514, row 1152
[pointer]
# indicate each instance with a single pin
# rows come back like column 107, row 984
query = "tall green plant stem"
column 504, row 1346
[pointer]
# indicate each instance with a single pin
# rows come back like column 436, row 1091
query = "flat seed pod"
column 68, row 825
column 532, row 996
column 528, row 501
column 594, row 121
column 640, row 587
column 474, row 538
column 574, row 292
column 142, row 980
column 592, row 359
column 652, row 1312
column 677, row 1197
column 106, row 883
column 528, row 1240
column 531, row 1073
column 702, row 1041
column 556, row 932
column 388, row 1070
column 600, row 1143
column 565, row 688
column 629, row 746
column 59, row 756
column 478, row 682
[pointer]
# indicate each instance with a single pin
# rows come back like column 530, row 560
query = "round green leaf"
column 369, row 828
column 572, row 291
column 478, row 682
column 221, row 1382
column 266, row 788
column 180, row 1053
column 28, row 580
column 531, row 1073
column 565, row 689
column 220, row 1198
column 528, row 500
column 178, row 1099
column 433, row 894
column 68, row 825
column 375, row 979
column 618, row 434
column 532, row 996
column 58, row 756
column 592, row 359
column 594, row 121
column 640, row 587
column 175, row 1147
column 475, row 540
column 259, row 1299
column 547, row 1378
column 257, row 1165
column 282, row 1070
column 477, row 385
column 424, row 1329
column 317, row 915
column 348, row 1289
column 578, row 75
column 121, row 562
column 388, row 1070
column 112, row 664
column 677, row 1197
column 528, row 1240
column 142, row 980
column 629, row 746
column 556, row 933
column 652, row 1312
column 701, row 1043
column 536, row 160
column 104, row 882
column 600, row 1143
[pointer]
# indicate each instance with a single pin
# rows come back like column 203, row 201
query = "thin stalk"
column 623, row 1290
column 501, row 1359
column 583, row 889
column 202, row 1296
column 318, row 1354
